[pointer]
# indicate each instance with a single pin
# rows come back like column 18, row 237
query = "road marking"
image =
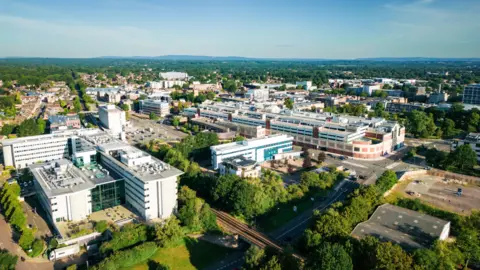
column 393, row 165
column 354, row 164
column 296, row 226
column 223, row 267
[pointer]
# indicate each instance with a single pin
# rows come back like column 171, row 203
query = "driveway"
column 7, row 243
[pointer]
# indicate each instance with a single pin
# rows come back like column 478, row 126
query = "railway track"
column 232, row 225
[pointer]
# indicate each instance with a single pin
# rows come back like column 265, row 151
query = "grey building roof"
column 61, row 177
column 62, row 119
column 239, row 162
column 405, row 227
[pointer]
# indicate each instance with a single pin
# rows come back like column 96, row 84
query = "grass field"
column 191, row 254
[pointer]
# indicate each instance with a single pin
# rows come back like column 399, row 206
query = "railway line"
column 234, row 226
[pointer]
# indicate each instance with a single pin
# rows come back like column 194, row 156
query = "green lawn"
column 192, row 254
column 277, row 218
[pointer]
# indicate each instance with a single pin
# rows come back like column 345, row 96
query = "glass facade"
column 270, row 152
column 108, row 195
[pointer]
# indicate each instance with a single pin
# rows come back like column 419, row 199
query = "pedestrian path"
column 393, row 165
column 355, row 164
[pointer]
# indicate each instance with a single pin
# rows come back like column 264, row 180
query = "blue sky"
column 254, row 28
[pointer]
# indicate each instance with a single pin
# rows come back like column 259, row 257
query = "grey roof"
column 62, row 119
column 60, row 177
column 239, row 161
column 402, row 226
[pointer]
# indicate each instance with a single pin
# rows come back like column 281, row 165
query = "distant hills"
column 240, row 58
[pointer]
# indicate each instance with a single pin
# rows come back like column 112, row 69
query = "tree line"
column 13, row 212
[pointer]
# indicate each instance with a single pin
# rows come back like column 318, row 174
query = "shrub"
column 128, row 258
column 37, row 248
column 129, row 235
column 7, row 260
column 101, row 226
column 26, row 240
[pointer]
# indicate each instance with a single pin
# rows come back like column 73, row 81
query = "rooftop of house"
column 405, row 227
column 239, row 162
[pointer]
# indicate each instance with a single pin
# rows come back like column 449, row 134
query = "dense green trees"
column 7, row 260
column 329, row 257
column 461, row 160
column 14, row 214
column 7, row 105
column 195, row 213
column 420, row 124
column 288, row 103
column 129, row 257
column 267, row 259
column 230, row 86
column 463, row 157
column 128, row 235
column 29, row 127
column 386, row 181
column 8, row 129
column 169, row 233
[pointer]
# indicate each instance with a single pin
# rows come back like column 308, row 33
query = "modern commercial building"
column 365, row 138
column 409, row 229
column 172, row 76
column 21, row 152
column 158, row 107
column 472, row 139
column 63, row 122
column 258, row 150
column 112, row 118
column 102, row 172
column 471, row 94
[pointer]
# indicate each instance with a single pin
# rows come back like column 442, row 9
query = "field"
column 435, row 191
column 192, row 254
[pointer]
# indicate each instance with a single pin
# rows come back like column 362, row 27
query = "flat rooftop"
column 239, row 161
column 250, row 143
column 402, row 226
column 62, row 177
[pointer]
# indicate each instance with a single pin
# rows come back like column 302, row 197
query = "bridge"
column 232, row 225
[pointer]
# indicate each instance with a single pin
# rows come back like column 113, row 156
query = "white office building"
column 103, row 172
column 174, row 76
column 158, row 107
column 112, row 118
column 258, row 150
column 21, row 152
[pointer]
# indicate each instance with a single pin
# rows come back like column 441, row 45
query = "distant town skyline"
column 322, row 29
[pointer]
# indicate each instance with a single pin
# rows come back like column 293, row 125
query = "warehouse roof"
column 405, row 227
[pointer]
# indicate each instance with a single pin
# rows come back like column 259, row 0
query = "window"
column 356, row 149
